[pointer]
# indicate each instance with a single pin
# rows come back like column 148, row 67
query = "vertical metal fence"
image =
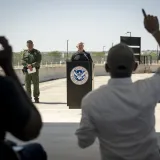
column 55, row 60
column 52, row 60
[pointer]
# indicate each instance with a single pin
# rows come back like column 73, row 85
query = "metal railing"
column 52, row 61
column 146, row 59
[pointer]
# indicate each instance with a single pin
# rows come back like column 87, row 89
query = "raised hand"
column 5, row 54
column 151, row 23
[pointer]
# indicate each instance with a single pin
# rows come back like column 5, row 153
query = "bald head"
column 80, row 46
column 120, row 61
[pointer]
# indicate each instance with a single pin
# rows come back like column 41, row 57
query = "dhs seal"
column 79, row 75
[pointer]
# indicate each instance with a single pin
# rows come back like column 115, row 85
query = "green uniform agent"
column 34, row 58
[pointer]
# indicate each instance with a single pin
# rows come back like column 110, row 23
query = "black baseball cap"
column 120, row 58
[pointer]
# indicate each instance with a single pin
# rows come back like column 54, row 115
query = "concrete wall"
column 45, row 74
column 57, row 72
column 51, row 73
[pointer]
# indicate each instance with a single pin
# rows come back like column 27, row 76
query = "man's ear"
column 135, row 66
column 106, row 67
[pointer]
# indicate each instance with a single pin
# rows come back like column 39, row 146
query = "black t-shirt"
column 81, row 56
column 14, row 113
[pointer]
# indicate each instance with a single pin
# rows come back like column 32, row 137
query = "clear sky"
column 97, row 23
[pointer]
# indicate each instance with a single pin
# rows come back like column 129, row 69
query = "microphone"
column 86, row 56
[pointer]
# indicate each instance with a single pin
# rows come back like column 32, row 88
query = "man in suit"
column 81, row 54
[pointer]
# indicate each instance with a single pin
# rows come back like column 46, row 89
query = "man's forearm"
column 36, row 64
column 85, row 139
column 157, row 37
column 86, row 136
column 34, row 125
column 24, row 63
column 9, row 71
column 38, row 61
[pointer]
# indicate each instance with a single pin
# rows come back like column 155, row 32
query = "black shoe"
column 36, row 100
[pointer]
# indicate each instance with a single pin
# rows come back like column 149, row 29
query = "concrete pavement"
column 60, row 123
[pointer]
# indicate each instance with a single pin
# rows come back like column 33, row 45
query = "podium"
column 80, row 81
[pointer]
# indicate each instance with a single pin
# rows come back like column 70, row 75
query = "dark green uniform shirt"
column 31, row 57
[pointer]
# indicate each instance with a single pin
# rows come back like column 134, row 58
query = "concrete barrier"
column 57, row 72
column 45, row 73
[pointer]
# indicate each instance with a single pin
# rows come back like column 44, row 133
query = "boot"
column 36, row 100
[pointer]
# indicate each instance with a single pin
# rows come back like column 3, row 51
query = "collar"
column 119, row 81
column 81, row 51
column 31, row 51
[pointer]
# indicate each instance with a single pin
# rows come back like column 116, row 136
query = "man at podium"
column 81, row 54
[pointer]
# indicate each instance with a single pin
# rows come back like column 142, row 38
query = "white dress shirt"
column 121, row 115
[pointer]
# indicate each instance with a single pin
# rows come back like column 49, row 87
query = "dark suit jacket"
column 81, row 56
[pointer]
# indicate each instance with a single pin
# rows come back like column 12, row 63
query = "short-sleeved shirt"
column 14, row 113
column 122, row 113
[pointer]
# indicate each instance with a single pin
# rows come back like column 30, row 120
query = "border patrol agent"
column 31, row 58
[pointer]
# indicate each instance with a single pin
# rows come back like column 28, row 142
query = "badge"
column 79, row 75
column 77, row 57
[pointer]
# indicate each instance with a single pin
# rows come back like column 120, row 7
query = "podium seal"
column 79, row 75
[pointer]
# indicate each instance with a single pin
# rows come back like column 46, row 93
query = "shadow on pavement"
column 60, row 142
column 52, row 103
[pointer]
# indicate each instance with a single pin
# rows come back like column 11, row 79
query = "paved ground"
column 60, row 123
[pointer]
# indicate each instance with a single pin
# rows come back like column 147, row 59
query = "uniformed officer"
column 81, row 54
column 31, row 60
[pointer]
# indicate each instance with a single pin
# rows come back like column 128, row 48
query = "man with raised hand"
column 121, row 113
column 18, row 115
